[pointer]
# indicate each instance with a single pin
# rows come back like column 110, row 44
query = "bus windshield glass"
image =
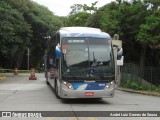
column 87, row 58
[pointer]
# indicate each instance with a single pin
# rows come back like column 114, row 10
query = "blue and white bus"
column 80, row 63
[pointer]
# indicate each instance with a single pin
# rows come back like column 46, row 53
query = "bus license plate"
column 89, row 93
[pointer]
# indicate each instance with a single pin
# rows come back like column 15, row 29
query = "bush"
column 138, row 86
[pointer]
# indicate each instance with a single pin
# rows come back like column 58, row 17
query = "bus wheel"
column 47, row 82
column 46, row 76
column 56, row 90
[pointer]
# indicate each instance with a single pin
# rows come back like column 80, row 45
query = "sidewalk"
column 139, row 91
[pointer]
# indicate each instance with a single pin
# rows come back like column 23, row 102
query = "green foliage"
column 78, row 19
column 24, row 24
column 15, row 34
column 149, row 31
column 136, row 22
column 41, row 17
column 90, row 9
column 79, row 14
column 104, row 18
column 119, row 19
column 76, row 8
column 139, row 86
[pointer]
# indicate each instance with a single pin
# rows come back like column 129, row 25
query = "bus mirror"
column 58, row 51
column 120, row 57
column 119, row 54
column 120, row 62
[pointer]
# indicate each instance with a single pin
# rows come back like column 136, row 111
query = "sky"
column 62, row 7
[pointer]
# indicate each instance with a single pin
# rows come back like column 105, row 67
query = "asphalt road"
column 18, row 93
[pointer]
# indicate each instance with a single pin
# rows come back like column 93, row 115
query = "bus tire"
column 56, row 90
column 46, row 76
column 47, row 82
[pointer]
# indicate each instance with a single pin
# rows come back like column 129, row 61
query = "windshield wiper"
column 95, row 62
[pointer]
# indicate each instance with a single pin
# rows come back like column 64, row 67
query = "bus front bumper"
column 66, row 93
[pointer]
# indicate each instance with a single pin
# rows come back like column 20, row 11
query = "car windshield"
column 87, row 57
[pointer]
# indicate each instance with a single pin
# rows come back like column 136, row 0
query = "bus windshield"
column 88, row 58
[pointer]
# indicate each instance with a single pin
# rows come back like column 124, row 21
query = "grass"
column 139, row 86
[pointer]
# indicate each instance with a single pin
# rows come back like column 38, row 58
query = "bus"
column 80, row 63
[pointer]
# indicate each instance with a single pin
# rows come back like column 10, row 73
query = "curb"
column 140, row 92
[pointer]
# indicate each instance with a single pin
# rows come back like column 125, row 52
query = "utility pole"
column 117, row 45
column 28, row 58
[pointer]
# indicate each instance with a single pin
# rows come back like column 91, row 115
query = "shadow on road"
column 84, row 101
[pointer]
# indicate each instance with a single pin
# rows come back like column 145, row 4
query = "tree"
column 80, row 13
column 124, row 18
column 76, row 8
column 24, row 24
column 78, row 19
column 90, row 9
column 149, row 34
column 43, row 23
column 15, row 33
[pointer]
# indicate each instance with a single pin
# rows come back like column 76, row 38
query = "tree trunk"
column 142, row 60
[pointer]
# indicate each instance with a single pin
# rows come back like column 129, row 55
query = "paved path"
column 17, row 93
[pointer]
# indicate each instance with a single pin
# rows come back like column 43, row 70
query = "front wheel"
column 46, row 76
column 47, row 82
column 56, row 90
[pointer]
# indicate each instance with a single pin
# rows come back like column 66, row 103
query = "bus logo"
column 89, row 81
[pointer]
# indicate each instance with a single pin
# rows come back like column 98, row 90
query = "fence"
column 131, row 73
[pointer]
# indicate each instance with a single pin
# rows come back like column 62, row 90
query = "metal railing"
column 131, row 73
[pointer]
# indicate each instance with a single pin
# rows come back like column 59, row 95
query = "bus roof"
column 83, row 32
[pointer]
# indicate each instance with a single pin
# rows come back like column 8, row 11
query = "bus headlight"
column 109, row 84
column 64, row 82
column 68, row 85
